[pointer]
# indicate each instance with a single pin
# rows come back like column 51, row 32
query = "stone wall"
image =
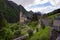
column 46, row 21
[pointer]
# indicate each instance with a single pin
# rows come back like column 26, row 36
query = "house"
column 55, row 29
column 56, row 22
column 46, row 21
column 23, row 18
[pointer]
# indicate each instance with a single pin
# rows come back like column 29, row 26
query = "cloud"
column 35, row 2
column 24, row 2
column 55, row 2
column 43, row 9
column 40, row 1
column 39, row 5
column 44, row 6
column 48, row 9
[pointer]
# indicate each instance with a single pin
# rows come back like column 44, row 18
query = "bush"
column 33, row 24
column 7, row 33
column 41, row 35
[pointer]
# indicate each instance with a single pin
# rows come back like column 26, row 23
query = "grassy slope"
column 43, row 34
column 52, row 16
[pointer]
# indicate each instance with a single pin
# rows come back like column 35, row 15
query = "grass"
column 43, row 34
column 52, row 16
column 30, row 25
column 24, row 30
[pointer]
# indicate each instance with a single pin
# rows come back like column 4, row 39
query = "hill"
column 10, row 9
column 52, row 14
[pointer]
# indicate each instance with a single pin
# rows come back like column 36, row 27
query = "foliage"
column 43, row 34
column 2, row 21
column 32, row 24
column 52, row 14
column 9, row 32
column 10, row 13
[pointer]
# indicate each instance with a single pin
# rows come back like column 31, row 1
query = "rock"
column 53, row 34
column 58, row 38
column 55, row 30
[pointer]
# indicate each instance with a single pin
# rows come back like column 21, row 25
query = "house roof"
column 46, row 21
column 56, row 23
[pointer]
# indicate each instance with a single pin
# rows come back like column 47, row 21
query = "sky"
column 43, row 6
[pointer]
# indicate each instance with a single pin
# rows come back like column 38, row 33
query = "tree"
column 11, row 10
column 2, row 20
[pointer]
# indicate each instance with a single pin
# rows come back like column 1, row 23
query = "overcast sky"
column 43, row 6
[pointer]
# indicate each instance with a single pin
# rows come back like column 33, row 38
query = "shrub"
column 41, row 35
column 7, row 33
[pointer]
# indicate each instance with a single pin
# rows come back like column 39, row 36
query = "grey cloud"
column 24, row 2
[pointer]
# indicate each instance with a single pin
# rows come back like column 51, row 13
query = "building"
column 23, row 18
column 46, row 21
column 56, row 22
column 55, row 29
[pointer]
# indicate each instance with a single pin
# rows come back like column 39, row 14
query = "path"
column 22, row 37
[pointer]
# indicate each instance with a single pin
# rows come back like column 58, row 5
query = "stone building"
column 56, row 22
column 55, row 30
column 46, row 21
column 23, row 18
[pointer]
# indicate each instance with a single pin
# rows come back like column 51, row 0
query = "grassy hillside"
column 43, row 34
column 52, row 16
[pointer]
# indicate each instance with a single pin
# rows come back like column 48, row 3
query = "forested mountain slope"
column 10, row 9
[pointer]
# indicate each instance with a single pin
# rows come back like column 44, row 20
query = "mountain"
column 11, row 10
column 27, row 14
column 38, row 13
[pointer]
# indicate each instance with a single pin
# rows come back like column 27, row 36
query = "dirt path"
column 22, row 37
